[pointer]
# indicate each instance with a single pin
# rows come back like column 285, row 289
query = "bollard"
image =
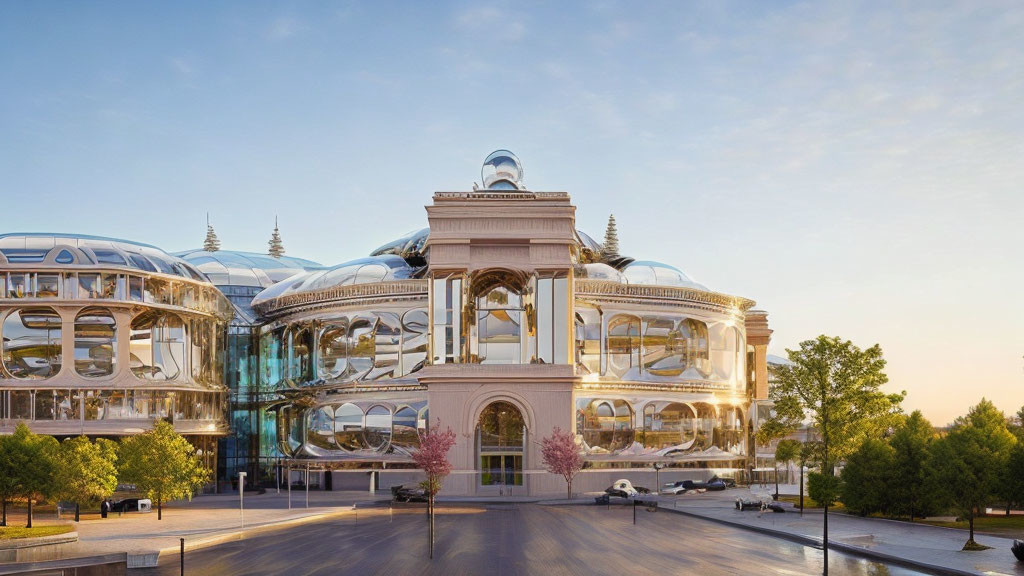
column 182, row 557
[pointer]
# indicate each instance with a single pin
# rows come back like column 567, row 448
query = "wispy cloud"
column 284, row 28
column 498, row 23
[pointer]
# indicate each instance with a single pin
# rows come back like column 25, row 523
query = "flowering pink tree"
column 432, row 458
column 561, row 455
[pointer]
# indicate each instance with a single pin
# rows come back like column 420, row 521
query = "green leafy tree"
column 1014, row 478
column 162, row 465
column 808, row 455
column 8, row 477
column 837, row 387
column 911, row 444
column 968, row 464
column 786, row 451
column 867, row 478
column 86, row 471
column 32, row 459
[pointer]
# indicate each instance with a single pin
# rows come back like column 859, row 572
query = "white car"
column 625, row 489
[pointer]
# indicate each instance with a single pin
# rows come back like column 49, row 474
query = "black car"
column 729, row 482
column 402, row 494
column 126, row 505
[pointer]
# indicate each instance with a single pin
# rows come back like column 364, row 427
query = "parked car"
column 729, row 482
column 401, row 493
column 126, row 505
column 684, row 486
column 625, row 489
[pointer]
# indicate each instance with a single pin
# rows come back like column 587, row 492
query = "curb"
column 151, row 559
column 814, row 542
column 19, row 543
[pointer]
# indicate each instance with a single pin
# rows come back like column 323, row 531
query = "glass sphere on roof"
column 502, row 170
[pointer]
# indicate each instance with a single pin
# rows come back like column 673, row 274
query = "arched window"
column 695, row 335
column 501, row 435
column 624, row 346
column 300, row 353
column 348, row 427
column 672, row 426
column 500, row 316
column 607, row 425
column 159, row 346
column 320, row 428
column 32, row 343
column 332, row 361
column 664, row 347
column 377, row 430
column 95, row 343
column 404, row 430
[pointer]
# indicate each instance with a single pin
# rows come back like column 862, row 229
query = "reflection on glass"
column 501, row 432
column 414, row 340
column 18, row 286
column 45, row 409
column 348, row 427
column 95, row 343
column 499, row 326
column 32, row 343
column 21, row 404
column 404, row 429
column 377, row 431
column 624, row 346
column 606, row 425
column 158, row 345
column 47, row 285
column 300, row 348
column 320, row 428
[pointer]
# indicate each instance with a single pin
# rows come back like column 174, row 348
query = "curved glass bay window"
column 606, row 425
column 624, row 345
column 670, row 426
column 348, row 427
column 159, row 344
column 501, row 434
column 95, row 343
column 300, row 353
column 32, row 343
column 694, row 336
column 377, row 430
column 499, row 317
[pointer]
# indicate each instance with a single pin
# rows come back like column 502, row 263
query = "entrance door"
column 501, row 438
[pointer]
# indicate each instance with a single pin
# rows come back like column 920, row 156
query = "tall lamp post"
column 241, row 497
column 657, row 476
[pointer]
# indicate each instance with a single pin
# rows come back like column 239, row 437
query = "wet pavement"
column 507, row 539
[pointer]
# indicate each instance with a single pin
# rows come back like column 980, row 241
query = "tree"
column 561, row 455
column 837, row 386
column 610, row 248
column 8, row 477
column 1014, row 477
column 911, row 444
column 211, row 243
column 31, row 458
column 968, row 464
column 786, row 451
column 86, row 471
column 162, row 465
column 432, row 458
column 808, row 454
column 276, row 247
column 867, row 478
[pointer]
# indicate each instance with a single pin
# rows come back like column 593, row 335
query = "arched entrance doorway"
column 501, row 442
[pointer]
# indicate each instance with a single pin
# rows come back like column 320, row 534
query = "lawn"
column 809, row 504
column 1012, row 526
column 11, row 532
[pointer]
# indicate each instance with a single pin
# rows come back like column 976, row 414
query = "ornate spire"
column 611, row 238
column 276, row 247
column 212, row 243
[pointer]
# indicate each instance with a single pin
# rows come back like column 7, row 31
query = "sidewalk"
column 205, row 521
column 932, row 547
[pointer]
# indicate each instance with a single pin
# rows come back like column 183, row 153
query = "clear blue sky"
column 855, row 168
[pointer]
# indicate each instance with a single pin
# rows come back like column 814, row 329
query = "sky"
column 855, row 168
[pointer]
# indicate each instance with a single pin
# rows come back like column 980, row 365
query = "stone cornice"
column 604, row 290
column 353, row 294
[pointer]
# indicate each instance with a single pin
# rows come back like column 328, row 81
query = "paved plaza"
column 513, row 539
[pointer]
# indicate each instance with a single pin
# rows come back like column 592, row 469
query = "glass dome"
column 84, row 250
column 362, row 271
column 658, row 274
column 502, row 170
column 231, row 268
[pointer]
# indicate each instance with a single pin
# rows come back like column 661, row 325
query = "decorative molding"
column 372, row 293
column 645, row 294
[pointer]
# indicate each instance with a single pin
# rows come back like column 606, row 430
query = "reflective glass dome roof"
column 502, row 170
column 84, row 250
column 362, row 271
column 658, row 274
column 409, row 245
column 232, row 268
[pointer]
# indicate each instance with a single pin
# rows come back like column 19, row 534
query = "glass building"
column 499, row 319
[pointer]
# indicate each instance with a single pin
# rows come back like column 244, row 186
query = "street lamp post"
column 657, row 476
column 241, row 497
